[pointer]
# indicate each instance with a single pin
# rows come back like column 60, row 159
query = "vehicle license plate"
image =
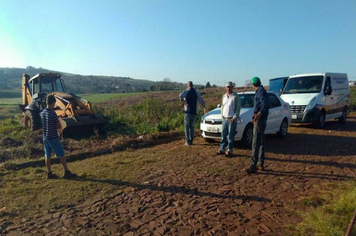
column 213, row 129
column 294, row 117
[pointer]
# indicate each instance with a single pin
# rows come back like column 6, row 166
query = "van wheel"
column 320, row 123
column 248, row 135
column 342, row 118
column 283, row 129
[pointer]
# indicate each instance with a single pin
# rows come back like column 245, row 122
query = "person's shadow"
column 173, row 189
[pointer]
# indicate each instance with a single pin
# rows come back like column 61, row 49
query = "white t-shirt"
column 228, row 109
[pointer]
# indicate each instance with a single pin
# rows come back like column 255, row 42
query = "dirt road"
column 199, row 193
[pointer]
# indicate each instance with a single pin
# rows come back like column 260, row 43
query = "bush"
column 150, row 116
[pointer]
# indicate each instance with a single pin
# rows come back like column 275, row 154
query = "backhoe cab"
column 72, row 110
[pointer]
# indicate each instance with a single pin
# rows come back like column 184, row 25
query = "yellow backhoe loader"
column 72, row 110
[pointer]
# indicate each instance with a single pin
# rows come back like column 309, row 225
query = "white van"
column 317, row 97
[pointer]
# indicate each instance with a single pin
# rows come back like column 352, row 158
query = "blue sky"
column 199, row 40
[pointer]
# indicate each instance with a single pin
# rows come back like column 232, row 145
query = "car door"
column 275, row 115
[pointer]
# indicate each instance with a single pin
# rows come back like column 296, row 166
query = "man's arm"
column 202, row 102
column 264, row 106
column 183, row 95
column 237, row 107
column 264, row 102
column 58, row 125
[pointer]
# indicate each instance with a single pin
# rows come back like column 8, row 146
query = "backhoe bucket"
column 83, row 121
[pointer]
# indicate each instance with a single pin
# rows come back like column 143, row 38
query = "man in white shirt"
column 230, row 111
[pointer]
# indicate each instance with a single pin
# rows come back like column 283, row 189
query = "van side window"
column 328, row 89
column 273, row 101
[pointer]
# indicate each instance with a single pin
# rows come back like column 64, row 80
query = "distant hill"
column 10, row 82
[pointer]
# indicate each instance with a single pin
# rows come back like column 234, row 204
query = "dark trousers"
column 189, row 121
column 259, row 142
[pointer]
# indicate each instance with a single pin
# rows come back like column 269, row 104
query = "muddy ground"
column 181, row 202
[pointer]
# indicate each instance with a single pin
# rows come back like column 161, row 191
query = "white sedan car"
column 278, row 120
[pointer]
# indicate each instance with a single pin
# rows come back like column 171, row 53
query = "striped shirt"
column 49, row 120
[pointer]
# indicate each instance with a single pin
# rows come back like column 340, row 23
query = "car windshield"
column 307, row 84
column 247, row 100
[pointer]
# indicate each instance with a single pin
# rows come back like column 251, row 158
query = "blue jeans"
column 258, row 142
column 55, row 145
column 189, row 121
column 228, row 128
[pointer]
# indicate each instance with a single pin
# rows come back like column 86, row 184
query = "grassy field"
column 102, row 97
column 9, row 106
column 10, row 101
column 94, row 98
column 331, row 212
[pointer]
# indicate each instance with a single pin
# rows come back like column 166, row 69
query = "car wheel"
column 342, row 118
column 283, row 129
column 320, row 123
column 248, row 135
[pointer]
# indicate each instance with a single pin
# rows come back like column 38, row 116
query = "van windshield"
column 306, row 84
column 276, row 85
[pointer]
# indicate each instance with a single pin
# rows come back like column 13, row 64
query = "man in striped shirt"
column 50, row 124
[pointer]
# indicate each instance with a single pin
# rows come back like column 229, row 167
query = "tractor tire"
column 32, row 120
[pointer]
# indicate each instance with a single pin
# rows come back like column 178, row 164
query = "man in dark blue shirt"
column 259, row 119
column 50, row 124
column 191, row 97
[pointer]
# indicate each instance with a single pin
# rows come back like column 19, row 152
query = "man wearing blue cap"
column 259, row 121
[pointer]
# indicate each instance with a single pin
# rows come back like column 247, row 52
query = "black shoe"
column 51, row 175
column 260, row 167
column 220, row 152
column 69, row 175
column 228, row 154
column 251, row 170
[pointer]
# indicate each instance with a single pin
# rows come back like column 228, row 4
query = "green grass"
column 94, row 98
column 331, row 213
column 102, row 97
column 9, row 106
column 10, row 101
